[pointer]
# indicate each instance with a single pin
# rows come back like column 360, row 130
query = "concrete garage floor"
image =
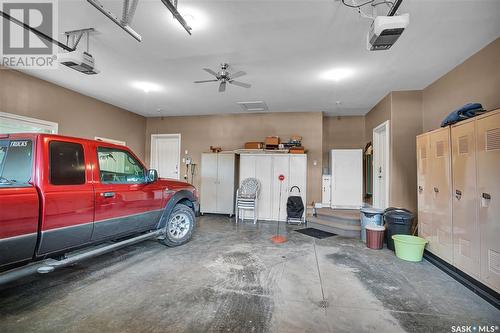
column 231, row 278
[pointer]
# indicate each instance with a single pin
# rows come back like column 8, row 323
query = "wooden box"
column 254, row 145
column 272, row 140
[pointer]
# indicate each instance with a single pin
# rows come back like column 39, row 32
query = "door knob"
column 436, row 190
column 420, row 189
column 458, row 194
column 486, row 196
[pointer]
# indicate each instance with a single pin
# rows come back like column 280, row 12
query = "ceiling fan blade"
column 203, row 81
column 237, row 74
column 241, row 84
column 222, row 86
column 208, row 70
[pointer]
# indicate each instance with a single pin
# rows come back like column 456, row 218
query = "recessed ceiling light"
column 146, row 86
column 337, row 74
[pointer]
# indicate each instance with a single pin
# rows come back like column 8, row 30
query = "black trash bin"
column 399, row 222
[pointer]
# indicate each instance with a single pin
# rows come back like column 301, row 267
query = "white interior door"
column 165, row 155
column 381, row 154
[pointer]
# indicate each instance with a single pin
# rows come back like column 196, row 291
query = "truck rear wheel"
column 180, row 226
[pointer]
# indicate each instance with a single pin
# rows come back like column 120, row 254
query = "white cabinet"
column 346, row 178
column 267, row 168
column 326, row 190
column 218, row 183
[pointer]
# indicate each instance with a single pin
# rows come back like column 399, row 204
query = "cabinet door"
column 225, row 184
column 263, row 173
column 488, row 188
column 465, row 224
column 208, row 194
column 298, row 176
column 247, row 166
column 441, row 186
column 424, row 190
column 281, row 166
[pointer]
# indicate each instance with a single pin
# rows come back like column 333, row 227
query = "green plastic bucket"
column 410, row 248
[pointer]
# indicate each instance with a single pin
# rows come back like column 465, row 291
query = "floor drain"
column 323, row 304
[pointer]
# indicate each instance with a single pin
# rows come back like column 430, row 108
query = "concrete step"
column 345, row 216
column 336, row 227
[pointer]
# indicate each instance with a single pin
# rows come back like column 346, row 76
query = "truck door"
column 18, row 201
column 68, row 195
column 125, row 201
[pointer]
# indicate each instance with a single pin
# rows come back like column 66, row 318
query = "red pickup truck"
column 59, row 193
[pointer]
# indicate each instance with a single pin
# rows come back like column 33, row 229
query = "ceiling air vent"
column 493, row 139
column 256, row 106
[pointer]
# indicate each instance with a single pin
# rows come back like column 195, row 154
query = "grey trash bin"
column 370, row 216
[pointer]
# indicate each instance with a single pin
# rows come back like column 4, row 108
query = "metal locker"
column 488, row 195
column 466, row 240
column 440, row 163
column 424, row 193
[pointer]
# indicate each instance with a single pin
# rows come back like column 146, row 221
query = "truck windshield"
column 16, row 158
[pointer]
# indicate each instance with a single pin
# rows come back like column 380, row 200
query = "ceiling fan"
column 225, row 77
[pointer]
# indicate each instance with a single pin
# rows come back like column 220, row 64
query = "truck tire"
column 180, row 226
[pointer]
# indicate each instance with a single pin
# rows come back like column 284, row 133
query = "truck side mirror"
column 152, row 175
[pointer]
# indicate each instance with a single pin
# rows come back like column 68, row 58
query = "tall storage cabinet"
column 488, row 195
column 267, row 168
column 458, row 195
column 465, row 223
column 434, row 188
column 347, row 178
column 218, row 182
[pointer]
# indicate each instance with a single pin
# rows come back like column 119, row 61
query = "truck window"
column 119, row 167
column 67, row 166
column 16, row 162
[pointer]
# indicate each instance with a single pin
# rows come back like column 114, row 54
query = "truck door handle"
column 108, row 194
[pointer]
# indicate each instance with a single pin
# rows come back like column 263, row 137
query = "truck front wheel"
column 180, row 226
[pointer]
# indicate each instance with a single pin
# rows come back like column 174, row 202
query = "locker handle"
column 486, row 196
column 458, row 194
column 436, row 190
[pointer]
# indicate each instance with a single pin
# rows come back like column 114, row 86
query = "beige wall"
column 231, row 131
column 406, row 124
column 404, row 111
column 342, row 133
column 77, row 114
column 475, row 80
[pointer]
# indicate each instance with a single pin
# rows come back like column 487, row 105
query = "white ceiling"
column 284, row 46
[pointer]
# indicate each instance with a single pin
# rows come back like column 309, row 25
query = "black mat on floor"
column 320, row 234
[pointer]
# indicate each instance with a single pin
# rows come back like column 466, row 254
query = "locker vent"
column 423, row 153
column 494, row 261
column 493, row 139
column 440, row 149
column 465, row 247
column 463, row 145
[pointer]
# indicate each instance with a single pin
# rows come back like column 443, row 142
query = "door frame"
column 154, row 137
column 387, row 143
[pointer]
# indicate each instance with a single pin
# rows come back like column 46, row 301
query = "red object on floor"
column 375, row 236
column 278, row 239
